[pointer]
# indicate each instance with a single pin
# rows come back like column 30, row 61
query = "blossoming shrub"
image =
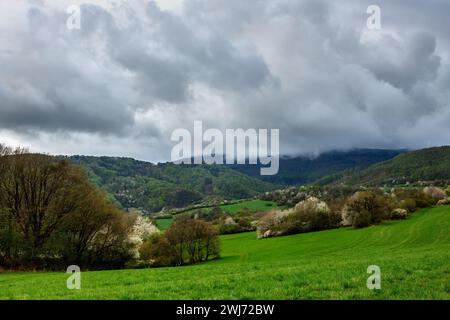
column 366, row 208
column 308, row 215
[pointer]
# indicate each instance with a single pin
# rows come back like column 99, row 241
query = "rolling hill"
column 151, row 187
column 303, row 170
column 413, row 256
column 432, row 164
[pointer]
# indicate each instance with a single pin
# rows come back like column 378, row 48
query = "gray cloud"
column 134, row 72
column 415, row 61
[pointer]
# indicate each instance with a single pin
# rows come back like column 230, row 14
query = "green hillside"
column 151, row 187
column 431, row 164
column 303, row 170
column 414, row 257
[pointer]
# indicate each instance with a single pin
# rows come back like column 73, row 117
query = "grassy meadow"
column 253, row 205
column 164, row 223
column 414, row 257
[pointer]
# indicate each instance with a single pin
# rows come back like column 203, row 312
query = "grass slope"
column 254, row 205
column 414, row 257
column 164, row 224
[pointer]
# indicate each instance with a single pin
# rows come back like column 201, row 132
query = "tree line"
column 52, row 216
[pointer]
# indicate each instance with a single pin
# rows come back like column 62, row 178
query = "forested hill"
column 431, row 164
column 139, row 184
column 303, row 170
column 151, row 187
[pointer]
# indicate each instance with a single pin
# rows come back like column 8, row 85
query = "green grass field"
column 414, row 257
column 254, row 205
column 164, row 224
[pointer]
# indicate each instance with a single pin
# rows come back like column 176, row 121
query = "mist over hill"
column 303, row 169
column 426, row 165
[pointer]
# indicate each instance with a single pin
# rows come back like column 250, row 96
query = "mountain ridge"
column 299, row 170
column 423, row 165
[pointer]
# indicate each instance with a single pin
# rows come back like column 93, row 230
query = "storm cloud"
column 138, row 69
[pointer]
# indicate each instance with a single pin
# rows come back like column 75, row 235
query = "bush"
column 408, row 204
column 315, row 215
column 142, row 229
column 399, row 214
column 444, row 202
column 447, row 191
column 309, row 215
column 362, row 219
column 274, row 223
column 156, row 251
column 187, row 241
column 243, row 221
column 435, row 192
column 365, row 208
column 422, row 199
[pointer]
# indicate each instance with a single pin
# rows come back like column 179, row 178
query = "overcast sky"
column 136, row 70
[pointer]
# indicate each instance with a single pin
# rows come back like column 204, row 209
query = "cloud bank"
column 137, row 70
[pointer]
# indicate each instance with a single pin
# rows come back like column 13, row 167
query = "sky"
column 136, row 70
